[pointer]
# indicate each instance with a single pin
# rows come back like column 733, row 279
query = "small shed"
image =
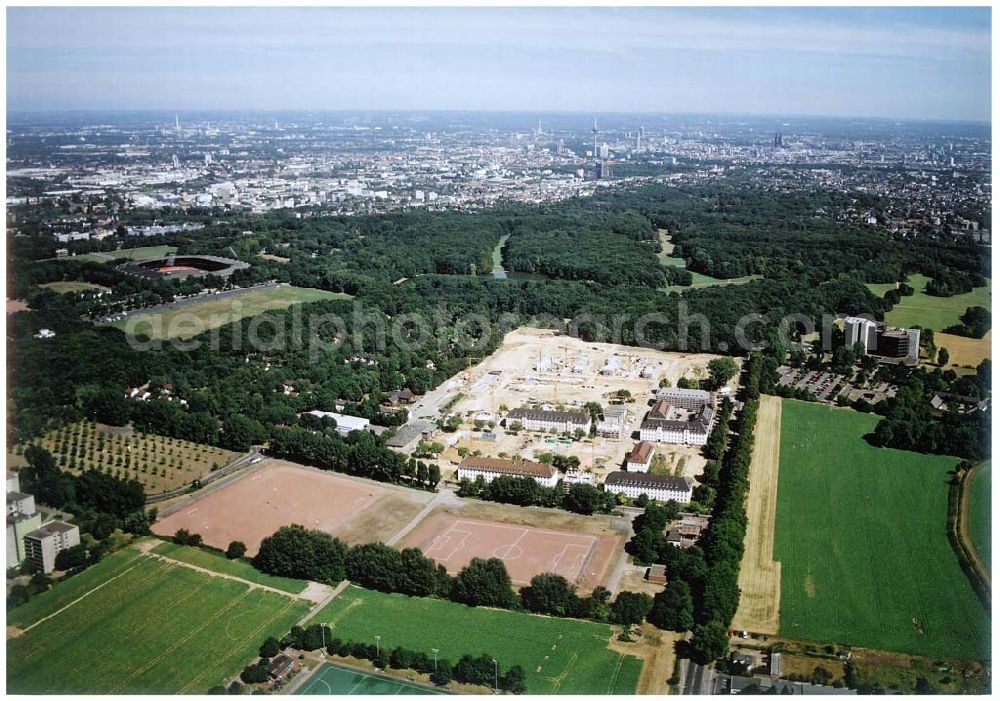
column 657, row 573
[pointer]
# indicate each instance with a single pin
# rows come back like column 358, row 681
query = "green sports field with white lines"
column 559, row 656
column 133, row 624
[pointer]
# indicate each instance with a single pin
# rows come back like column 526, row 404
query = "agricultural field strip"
column 760, row 574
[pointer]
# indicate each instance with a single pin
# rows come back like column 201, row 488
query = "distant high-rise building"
column 177, row 122
column 605, row 151
column 778, row 141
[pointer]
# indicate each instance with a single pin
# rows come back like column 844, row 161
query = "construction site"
column 544, row 369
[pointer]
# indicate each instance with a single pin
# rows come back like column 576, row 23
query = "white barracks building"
column 541, row 420
column 662, row 488
column 473, row 466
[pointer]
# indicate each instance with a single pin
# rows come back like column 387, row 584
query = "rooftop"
column 525, row 468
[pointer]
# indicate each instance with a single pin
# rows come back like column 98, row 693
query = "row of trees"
column 702, row 592
column 525, row 491
column 359, row 453
column 294, row 551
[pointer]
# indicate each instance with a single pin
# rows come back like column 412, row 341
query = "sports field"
column 861, row 537
column 137, row 253
column 979, row 513
column 334, row 680
column 936, row 313
column 217, row 562
column 132, row 624
column 760, row 575
column 282, row 493
column 559, row 656
column 188, row 319
column 526, row 551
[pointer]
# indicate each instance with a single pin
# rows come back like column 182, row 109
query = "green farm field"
column 937, row 313
column 979, row 513
column 217, row 562
column 188, row 320
column 860, row 534
column 559, row 656
column 132, row 624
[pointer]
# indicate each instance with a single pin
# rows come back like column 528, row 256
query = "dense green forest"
column 597, row 256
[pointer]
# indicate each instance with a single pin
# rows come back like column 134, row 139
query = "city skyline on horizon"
column 791, row 62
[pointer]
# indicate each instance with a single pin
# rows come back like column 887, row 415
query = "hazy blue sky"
column 922, row 62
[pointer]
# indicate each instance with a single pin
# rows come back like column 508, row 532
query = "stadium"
column 178, row 267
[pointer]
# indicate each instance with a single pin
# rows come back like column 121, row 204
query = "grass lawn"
column 937, row 313
column 236, row 568
column 979, row 513
column 188, row 320
column 137, row 253
column 497, row 255
column 334, row 680
column 559, row 656
column 860, row 534
column 965, row 352
column 63, row 287
column 145, row 626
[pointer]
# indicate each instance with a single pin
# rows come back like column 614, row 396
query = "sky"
column 913, row 63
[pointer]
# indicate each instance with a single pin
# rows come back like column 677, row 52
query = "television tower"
column 595, row 136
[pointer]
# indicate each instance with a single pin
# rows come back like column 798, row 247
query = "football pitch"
column 331, row 679
column 861, row 537
column 188, row 319
column 559, row 656
column 135, row 625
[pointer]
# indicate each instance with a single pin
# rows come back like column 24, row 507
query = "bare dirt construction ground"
column 283, row 493
column 760, row 575
column 529, row 541
column 544, row 368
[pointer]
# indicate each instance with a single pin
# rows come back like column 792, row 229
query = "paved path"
column 329, row 595
column 440, row 498
column 146, row 548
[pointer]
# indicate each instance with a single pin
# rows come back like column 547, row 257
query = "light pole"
column 377, row 638
column 496, row 676
column 435, row 651
column 322, row 629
